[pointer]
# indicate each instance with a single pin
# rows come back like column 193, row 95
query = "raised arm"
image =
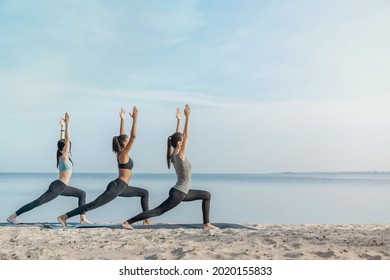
column 62, row 133
column 133, row 132
column 122, row 115
column 178, row 117
column 65, row 150
column 186, row 132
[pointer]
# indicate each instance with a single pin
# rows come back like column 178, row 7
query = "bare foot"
column 12, row 219
column 148, row 222
column 126, row 225
column 62, row 219
column 84, row 220
column 209, row 226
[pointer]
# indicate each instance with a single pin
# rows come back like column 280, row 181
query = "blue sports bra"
column 129, row 165
column 62, row 166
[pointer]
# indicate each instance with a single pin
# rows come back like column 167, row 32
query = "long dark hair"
column 60, row 147
column 172, row 142
column 118, row 142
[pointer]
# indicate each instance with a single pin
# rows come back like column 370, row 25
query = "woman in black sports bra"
column 121, row 145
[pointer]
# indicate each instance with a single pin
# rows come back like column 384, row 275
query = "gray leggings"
column 56, row 188
column 175, row 197
column 114, row 189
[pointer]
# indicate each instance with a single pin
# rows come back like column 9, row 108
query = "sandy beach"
column 251, row 241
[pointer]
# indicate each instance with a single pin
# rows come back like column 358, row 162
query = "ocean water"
column 280, row 198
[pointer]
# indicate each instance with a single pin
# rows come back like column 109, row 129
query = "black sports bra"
column 129, row 165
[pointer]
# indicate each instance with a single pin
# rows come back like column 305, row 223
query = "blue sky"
column 274, row 86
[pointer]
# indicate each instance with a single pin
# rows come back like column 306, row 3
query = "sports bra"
column 62, row 166
column 129, row 165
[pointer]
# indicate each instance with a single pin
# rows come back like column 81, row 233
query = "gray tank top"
column 183, row 173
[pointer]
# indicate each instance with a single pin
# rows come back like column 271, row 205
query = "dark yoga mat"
column 118, row 226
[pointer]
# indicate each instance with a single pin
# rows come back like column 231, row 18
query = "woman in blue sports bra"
column 60, row 186
column 121, row 146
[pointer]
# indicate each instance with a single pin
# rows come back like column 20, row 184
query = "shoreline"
column 386, row 172
column 248, row 242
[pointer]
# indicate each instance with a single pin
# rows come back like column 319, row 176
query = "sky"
column 274, row 86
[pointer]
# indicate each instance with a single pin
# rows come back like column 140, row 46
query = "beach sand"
column 255, row 241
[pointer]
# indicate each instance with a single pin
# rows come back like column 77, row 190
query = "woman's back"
column 125, row 170
column 183, row 170
column 65, row 168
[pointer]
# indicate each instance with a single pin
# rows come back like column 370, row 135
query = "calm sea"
column 246, row 198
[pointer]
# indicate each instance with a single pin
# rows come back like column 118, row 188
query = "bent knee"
column 145, row 193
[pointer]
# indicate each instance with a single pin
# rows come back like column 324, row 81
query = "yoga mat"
column 118, row 226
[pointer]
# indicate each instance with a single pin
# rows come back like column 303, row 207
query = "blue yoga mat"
column 77, row 225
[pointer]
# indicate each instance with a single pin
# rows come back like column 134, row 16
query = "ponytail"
column 169, row 152
column 172, row 143
column 58, row 157
column 60, row 146
column 116, row 147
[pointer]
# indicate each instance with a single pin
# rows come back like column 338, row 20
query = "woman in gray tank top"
column 181, row 191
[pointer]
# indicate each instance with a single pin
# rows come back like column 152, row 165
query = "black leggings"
column 175, row 197
column 114, row 189
column 56, row 188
